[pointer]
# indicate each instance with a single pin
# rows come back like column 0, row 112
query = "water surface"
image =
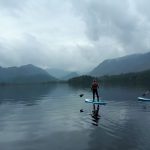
column 48, row 117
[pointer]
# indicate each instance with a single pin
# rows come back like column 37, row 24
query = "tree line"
column 138, row 78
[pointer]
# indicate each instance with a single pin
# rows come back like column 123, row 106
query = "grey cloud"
column 11, row 4
column 72, row 35
column 117, row 20
column 142, row 7
column 30, row 50
column 13, row 7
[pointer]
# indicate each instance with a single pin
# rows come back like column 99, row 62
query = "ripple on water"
column 124, row 123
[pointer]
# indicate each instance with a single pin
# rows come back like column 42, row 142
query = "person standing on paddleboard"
column 94, row 89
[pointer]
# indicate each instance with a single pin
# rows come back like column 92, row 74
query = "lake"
column 48, row 117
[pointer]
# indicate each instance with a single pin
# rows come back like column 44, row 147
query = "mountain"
column 70, row 75
column 58, row 73
column 24, row 74
column 136, row 78
column 126, row 64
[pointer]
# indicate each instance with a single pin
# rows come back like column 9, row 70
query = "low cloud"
column 72, row 35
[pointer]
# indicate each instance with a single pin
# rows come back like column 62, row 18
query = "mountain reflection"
column 27, row 94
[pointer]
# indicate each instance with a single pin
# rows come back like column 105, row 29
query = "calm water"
column 48, row 117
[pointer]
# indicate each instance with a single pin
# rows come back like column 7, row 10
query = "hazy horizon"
column 72, row 35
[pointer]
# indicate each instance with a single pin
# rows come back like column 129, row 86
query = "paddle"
column 81, row 95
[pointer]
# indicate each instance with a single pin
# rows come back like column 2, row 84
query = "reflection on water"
column 48, row 117
column 24, row 94
column 95, row 114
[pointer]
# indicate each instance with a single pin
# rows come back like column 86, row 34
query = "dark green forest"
column 138, row 78
column 84, row 80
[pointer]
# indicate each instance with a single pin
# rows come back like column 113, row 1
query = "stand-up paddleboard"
column 143, row 99
column 100, row 102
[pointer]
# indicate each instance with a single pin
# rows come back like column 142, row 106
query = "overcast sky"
column 73, row 35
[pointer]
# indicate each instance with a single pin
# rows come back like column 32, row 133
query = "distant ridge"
column 61, row 74
column 126, row 64
column 24, row 74
column 70, row 75
column 58, row 73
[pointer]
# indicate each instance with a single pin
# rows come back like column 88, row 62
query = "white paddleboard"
column 100, row 102
column 143, row 99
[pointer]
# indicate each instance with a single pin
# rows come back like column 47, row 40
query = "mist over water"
column 48, row 117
